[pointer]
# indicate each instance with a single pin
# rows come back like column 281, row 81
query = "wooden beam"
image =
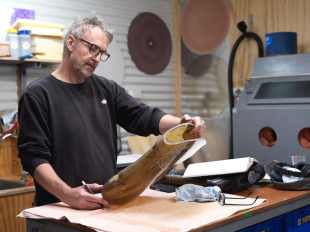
column 176, row 10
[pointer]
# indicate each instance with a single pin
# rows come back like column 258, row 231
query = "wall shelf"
column 10, row 60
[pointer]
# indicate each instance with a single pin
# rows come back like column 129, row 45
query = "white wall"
column 155, row 90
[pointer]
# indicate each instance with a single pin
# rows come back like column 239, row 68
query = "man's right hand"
column 80, row 198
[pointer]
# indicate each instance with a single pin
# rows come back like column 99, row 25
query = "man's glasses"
column 95, row 50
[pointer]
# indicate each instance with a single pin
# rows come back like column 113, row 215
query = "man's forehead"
column 95, row 32
column 96, row 36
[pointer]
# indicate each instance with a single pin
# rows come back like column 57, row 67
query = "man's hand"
column 168, row 121
column 79, row 197
column 198, row 123
column 82, row 198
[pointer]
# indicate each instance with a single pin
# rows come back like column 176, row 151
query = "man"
column 68, row 122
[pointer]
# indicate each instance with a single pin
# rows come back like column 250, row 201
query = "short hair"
column 80, row 26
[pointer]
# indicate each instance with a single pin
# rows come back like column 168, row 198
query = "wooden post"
column 176, row 10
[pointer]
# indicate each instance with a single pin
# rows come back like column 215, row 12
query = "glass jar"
column 13, row 39
column 24, row 44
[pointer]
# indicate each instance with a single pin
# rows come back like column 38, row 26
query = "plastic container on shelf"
column 13, row 39
column 24, row 44
column 46, row 38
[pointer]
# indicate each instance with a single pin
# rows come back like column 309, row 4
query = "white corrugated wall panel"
column 8, row 87
column 155, row 90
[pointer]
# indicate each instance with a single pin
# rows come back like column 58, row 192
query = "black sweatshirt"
column 73, row 127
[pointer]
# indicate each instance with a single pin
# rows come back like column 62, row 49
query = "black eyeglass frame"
column 94, row 50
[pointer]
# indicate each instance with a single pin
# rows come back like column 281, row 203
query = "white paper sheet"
column 220, row 167
column 152, row 211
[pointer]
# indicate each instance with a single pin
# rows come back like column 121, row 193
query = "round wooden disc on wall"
column 149, row 43
column 205, row 24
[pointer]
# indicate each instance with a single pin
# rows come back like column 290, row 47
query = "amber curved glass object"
column 133, row 180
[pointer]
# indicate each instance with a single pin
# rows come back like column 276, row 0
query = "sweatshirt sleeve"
column 34, row 134
column 135, row 116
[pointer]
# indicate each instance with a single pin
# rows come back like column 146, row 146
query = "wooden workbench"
column 277, row 203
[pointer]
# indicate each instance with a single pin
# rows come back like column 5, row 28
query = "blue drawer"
column 272, row 225
column 298, row 220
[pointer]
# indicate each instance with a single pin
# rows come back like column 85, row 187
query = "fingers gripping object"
column 132, row 181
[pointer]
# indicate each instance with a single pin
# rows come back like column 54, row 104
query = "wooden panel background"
column 266, row 16
column 12, row 205
column 9, row 161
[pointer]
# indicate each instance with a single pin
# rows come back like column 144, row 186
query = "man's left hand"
column 198, row 123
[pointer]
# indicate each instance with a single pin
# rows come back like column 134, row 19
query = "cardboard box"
column 40, row 28
column 4, row 49
column 47, row 47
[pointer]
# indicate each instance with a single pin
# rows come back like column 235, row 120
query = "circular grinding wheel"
column 205, row 24
column 149, row 43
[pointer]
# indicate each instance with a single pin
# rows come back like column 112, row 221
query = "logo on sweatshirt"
column 104, row 101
